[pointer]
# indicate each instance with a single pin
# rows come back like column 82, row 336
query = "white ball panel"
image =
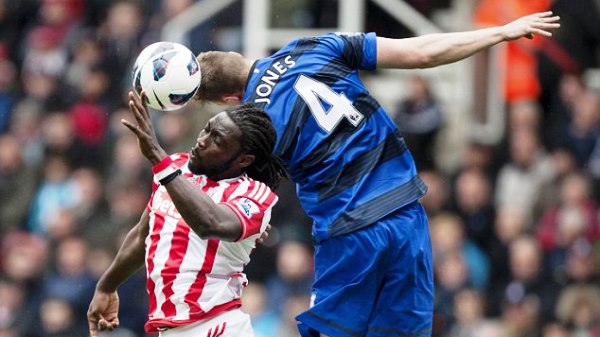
column 176, row 79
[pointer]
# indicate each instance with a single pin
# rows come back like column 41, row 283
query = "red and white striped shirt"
column 189, row 278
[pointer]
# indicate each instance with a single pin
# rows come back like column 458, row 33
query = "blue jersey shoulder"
column 345, row 154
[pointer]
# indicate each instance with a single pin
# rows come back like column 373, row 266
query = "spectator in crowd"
column 55, row 191
column 23, row 260
column 469, row 309
column 437, row 198
column 8, row 74
column 583, row 130
column 451, row 276
column 510, row 223
column 572, row 51
column 17, row 184
column 294, row 274
column 448, row 237
column 524, row 115
column 480, row 156
column 44, row 53
column 420, row 117
column 119, row 34
column 555, row 329
column 57, row 318
column 13, row 304
column 70, row 279
column 581, row 265
column 521, row 179
column 574, row 217
column 521, row 315
column 527, row 284
column 89, row 118
column 579, row 306
column 563, row 164
column 474, row 204
column 569, row 87
column 265, row 320
column 519, row 65
column 91, row 213
column 85, row 54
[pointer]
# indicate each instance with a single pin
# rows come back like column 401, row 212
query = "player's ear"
column 232, row 99
column 246, row 160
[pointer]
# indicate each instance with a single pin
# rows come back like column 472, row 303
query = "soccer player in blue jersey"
column 355, row 177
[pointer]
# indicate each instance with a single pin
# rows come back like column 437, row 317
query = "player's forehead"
column 222, row 123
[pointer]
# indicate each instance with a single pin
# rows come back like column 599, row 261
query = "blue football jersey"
column 348, row 160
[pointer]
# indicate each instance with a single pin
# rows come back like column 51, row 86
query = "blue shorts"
column 374, row 282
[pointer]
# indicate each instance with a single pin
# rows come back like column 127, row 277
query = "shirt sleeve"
column 253, row 207
column 357, row 50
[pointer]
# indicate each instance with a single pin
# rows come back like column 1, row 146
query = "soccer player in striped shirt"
column 207, row 210
column 354, row 174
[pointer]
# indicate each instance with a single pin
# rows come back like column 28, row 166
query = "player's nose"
column 201, row 141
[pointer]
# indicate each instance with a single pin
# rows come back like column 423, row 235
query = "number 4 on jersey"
column 313, row 92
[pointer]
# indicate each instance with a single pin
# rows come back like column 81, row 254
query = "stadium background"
column 508, row 142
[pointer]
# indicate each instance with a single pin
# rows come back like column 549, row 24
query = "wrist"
column 165, row 170
column 502, row 33
column 167, row 179
column 162, row 165
column 104, row 287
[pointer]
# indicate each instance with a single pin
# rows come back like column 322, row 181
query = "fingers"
column 93, row 324
column 543, row 14
column 541, row 32
column 541, row 24
column 110, row 325
column 140, row 113
column 546, row 25
column 137, row 109
column 264, row 234
column 551, row 19
column 140, row 103
column 134, row 128
column 98, row 323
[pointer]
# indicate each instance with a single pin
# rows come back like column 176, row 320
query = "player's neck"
column 247, row 68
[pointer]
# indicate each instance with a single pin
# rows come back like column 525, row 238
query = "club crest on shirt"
column 247, row 206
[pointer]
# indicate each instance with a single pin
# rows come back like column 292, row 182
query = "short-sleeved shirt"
column 190, row 278
column 346, row 156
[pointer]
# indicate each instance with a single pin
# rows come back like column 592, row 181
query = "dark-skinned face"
column 217, row 152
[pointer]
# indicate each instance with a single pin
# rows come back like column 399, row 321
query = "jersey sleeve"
column 253, row 208
column 358, row 50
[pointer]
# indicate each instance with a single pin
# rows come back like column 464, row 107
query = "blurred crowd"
column 515, row 229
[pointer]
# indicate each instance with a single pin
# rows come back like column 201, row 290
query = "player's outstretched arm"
column 199, row 211
column 104, row 308
column 436, row 49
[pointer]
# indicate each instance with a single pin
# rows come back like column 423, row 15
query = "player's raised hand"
column 143, row 129
column 534, row 24
column 103, row 312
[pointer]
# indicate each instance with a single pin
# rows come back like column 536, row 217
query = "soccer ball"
column 168, row 73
